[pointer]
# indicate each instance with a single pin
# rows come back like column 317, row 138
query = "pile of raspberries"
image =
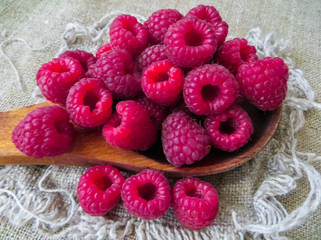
column 172, row 76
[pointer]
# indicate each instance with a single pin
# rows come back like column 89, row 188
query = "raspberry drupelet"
column 56, row 77
column 119, row 73
column 234, row 53
column 99, row 189
column 127, row 33
column 230, row 129
column 45, row 131
column 190, row 42
column 130, row 127
column 163, row 82
column 89, row 103
column 264, row 82
column 184, row 141
column 209, row 89
column 195, row 203
column 147, row 194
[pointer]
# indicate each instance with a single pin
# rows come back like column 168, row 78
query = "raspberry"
column 163, row 82
column 264, row 82
column 89, row 103
column 230, row 129
column 184, row 141
column 130, row 127
column 190, row 42
column 56, row 77
column 86, row 59
column 159, row 22
column 45, row 131
column 150, row 55
column 147, row 194
column 157, row 112
column 212, row 16
column 209, row 89
column 119, row 73
column 99, row 189
column 195, row 203
column 126, row 33
column 234, row 53
column 104, row 48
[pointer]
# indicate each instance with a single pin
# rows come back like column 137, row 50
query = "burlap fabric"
column 40, row 202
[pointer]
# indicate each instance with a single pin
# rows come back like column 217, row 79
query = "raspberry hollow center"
column 103, row 183
column 210, row 92
column 91, row 100
column 59, row 68
column 228, row 127
column 60, row 126
column 192, row 192
column 161, row 77
column 193, row 38
column 148, row 191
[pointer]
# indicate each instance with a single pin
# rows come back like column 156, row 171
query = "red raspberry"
column 45, row 131
column 89, row 103
column 130, row 127
column 147, row 194
column 209, row 89
column 230, row 129
column 163, row 82
column 212, row 16
column 86, row 59
column 195, row 203
column 190, row 42
column 150, row 55
column 264, row 82
column 234, row 53
column 119, row 73
column 104, row 48
column 56, row 77
column 99, row 189
column 159, row 22
column 157, row 112
column 184, row 141
column 126, row 33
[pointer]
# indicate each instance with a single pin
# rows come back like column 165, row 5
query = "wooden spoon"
column 90, row 148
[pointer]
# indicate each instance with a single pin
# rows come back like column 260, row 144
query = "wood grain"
column 89, row 148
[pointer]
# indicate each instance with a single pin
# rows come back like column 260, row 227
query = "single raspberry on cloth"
column 147, row 194
column 264, row 82
column 184, row 141
column 209, row 89
column 150, row 55
column 56, row 77
column 45, row 131
column 159, row 22
column 190, row 42
column 126, row 33
column 212, row 16
column 195, row 203
column 234, row 53
column 130, row 127
column 89, row 103
column 230, row 129
column 99, row 189
column 119, row 73
column 163, row 82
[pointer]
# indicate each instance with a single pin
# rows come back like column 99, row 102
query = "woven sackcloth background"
column 276, row 195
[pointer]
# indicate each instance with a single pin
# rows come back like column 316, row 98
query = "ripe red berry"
column 130, row 127
column 150, row 55
column 209, row 89
column 195, row 203
column 104, row 48
column 89, row 103
column 147, row 194
column 184, row 141
column 45, row 131
column 230, row 129
column 163, row 82
column 264, row 82
column 99, row 189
